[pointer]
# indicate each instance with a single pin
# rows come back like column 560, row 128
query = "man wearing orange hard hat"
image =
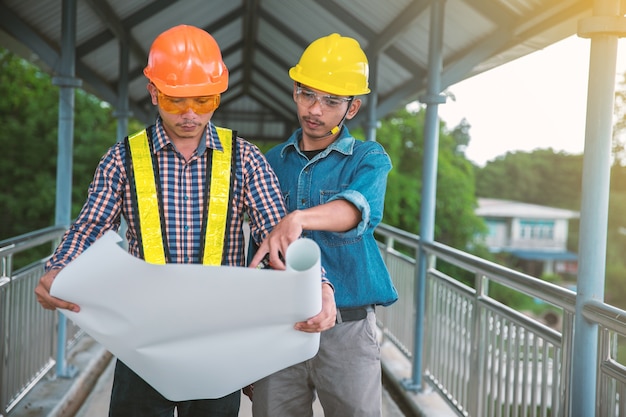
column 163, row 181
column 335, row 187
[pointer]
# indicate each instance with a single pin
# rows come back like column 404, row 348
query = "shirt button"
column 303, row 200
column 186, row 228
column 186, row 198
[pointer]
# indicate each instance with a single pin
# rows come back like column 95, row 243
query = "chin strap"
column 335, row 129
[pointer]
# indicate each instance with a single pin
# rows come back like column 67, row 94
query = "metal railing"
column 483, row 357
column 28, row 332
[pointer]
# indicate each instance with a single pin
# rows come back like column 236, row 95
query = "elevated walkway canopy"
column 262, row 39
column 416, row 50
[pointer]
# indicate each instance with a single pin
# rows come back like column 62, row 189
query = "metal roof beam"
column 274, row 57
column 285, row 114
column 493, row 11
column 504, row 38
column 115, row 25
column 399, row 25
column 461, row 68
column 17, row 28
column 268, row 105
column 277, row 85
column 360, row 28
column 94, row 84
column 126, row 25
column 250, row 29
column 281, row 27
column 225, row 20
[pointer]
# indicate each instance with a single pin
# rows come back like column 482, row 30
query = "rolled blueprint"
column 194, row 331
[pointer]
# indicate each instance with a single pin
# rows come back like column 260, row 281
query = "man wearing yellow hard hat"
column 334, row 187
column 183, row 185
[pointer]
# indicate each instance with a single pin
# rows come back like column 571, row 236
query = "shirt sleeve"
column 100, row 213
column 264, row 199
column 367, row 190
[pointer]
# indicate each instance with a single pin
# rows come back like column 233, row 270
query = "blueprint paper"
column 194, row 331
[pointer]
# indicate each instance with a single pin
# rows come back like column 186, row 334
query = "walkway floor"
column 87, row 393
column 97, row 404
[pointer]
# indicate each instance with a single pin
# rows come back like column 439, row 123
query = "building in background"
column 535, row 236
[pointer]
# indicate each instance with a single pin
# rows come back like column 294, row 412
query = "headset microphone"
column 333, row 130
column 336, row 128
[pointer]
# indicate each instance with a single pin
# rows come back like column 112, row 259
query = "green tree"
column 619, row 128
column 401, row 133
column 543, row 176
column 29, row 116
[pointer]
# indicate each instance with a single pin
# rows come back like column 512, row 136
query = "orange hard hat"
column 186, row 61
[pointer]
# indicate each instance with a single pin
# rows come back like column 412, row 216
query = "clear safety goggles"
column 180, row 105
column 307, row 97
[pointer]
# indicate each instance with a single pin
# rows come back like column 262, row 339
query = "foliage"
column 554, row 179
column 29, row 116
column 543, row 177
column 619, row 127
column 553, row 278
column 402, row 135
column 615, row 294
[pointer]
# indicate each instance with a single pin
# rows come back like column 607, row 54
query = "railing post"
column 603, row 28
column 5, row 315
column 432, row 99
column 476, row 389
column 67, row 83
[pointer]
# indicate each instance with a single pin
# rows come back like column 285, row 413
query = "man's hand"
column 248, row 390
column 42, row 291
column 335, row 216
column 278, row 240
column 326, row 318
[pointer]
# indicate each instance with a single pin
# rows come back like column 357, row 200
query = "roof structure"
column 543, row 255
column 491, row 207
column 262, row 39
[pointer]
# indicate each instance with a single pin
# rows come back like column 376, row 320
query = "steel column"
column 432, row 99
column 67, row 82
column 372, row 100
column 122, row 112
column 603, row 28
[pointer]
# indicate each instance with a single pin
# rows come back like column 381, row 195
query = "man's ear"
column 355, row 105
column 295, row 87
column 153, row 93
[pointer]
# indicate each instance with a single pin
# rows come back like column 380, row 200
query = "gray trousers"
column 345, row 374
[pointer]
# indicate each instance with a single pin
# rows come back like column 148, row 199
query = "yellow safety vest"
column 148, row 210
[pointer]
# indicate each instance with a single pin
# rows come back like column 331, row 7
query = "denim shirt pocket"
column 337, row 238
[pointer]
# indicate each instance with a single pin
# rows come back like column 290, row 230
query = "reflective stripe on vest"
column 218, row 200
column 150, row 227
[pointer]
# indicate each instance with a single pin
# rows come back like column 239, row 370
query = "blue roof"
column 539, row 255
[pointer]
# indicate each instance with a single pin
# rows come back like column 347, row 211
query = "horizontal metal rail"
column 485, row 358
column 28, row 331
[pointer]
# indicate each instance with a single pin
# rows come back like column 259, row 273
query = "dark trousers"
column 133, row 397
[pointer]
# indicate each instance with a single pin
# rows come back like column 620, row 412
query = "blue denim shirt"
column 355, row 171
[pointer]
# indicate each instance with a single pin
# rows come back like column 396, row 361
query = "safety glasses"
column 307, row 98
column 180, row 105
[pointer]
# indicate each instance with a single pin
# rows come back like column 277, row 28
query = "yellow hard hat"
column 334, row 64
column 185, row 61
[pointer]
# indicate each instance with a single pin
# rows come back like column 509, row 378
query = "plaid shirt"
column 256, row 193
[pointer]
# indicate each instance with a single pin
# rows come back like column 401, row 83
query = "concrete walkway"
column 87, row 394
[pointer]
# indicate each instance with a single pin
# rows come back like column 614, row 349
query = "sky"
column 536, row 102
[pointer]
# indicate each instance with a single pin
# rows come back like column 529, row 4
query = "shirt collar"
column 209, row 138
column 344, row 143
